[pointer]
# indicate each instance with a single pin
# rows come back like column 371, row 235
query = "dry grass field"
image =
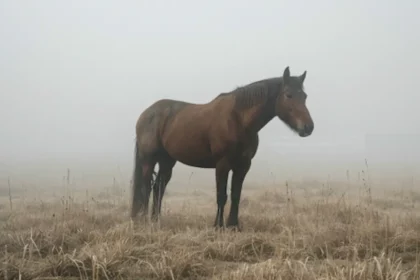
column 300, row 230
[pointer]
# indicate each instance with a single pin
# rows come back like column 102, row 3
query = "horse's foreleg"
column 222, row 173
column 238, row 178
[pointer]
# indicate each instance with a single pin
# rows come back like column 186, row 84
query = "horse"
column 221, row 134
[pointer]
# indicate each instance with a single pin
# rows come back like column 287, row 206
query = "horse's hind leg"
column 164, row 176
column 142, row 188
column 147, row 183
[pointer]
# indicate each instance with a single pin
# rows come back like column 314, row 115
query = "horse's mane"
column 254, row 93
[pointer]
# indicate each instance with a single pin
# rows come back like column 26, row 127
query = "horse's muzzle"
column 306, row 130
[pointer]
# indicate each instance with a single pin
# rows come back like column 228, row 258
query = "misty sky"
column 75, row 75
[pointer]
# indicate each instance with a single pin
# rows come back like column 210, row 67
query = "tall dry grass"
column 289, row 232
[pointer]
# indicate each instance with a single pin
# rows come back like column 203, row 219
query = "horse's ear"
column 286, row 75
column 302, row 77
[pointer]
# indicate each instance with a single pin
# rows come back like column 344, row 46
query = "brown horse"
column 221, row 134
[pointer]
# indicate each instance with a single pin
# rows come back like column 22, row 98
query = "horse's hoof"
column 219, row 228
column 234, row 228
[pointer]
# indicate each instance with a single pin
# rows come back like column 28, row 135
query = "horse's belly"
column 194, row 158
column 201, row 163
column 190, row 151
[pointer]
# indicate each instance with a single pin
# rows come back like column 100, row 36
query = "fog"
column 75, row 76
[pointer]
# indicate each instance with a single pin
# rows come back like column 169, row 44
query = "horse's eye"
column 288, row 95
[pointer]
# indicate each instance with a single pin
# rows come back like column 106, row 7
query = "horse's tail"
column 138, row 192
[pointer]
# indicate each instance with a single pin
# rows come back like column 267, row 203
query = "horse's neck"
column 258, row 116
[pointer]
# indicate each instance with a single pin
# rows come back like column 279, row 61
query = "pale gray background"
column 75, row 75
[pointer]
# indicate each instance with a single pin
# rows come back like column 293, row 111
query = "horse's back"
column 159, row 108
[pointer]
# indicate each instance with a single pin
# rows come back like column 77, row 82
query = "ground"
column 301, row 230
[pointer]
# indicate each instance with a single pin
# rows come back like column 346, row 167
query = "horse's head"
column 290, row 104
